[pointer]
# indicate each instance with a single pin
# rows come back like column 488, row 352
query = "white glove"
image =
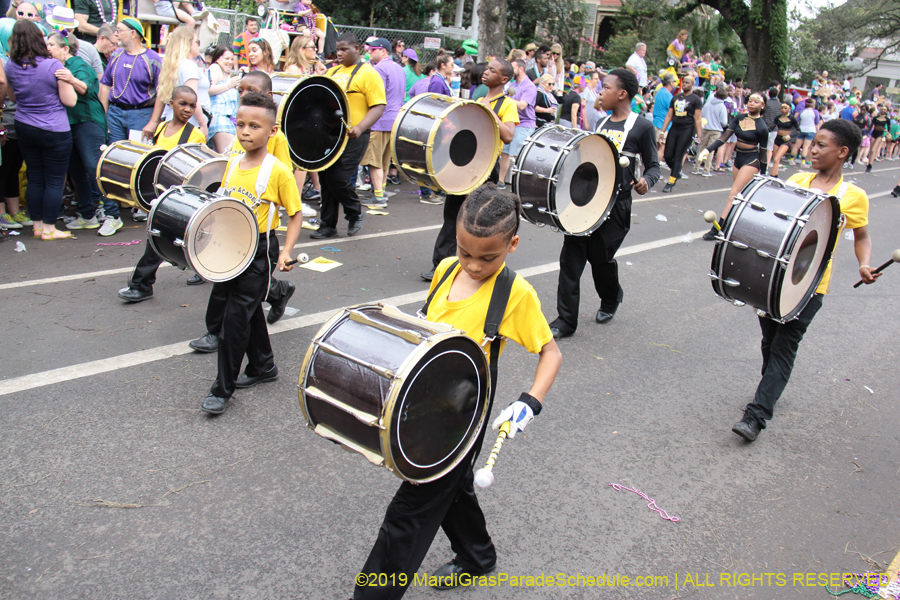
column 519, row 413
column 704, row 154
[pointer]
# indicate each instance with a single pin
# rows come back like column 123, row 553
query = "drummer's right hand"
column 353, row 132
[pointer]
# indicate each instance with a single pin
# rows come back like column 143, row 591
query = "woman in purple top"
column 41, row 124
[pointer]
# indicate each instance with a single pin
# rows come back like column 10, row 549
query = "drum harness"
column 633, row 157
column 185, row 133
column 262, row 182
column 495, row 312
column 349, row 81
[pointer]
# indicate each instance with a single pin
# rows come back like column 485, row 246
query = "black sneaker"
column 452, row 575
column 393, row 179
column 869, row 168
column 748, row 427
column 711, row 235
column 896, row 192
column 669, row 187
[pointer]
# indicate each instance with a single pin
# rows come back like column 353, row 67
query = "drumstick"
column 301, row 259
column 711, row 217
column 484, row 477
column 895, row 257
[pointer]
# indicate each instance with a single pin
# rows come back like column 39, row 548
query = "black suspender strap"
column 424, row 311
column 498, row 104
column 352, row 74
column 185, row 133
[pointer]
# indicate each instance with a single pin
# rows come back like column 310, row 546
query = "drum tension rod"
column 416, row 142
column 782, row 215
column 547, row 211
column 738, row 244
column 729, row 282
column 529, row 173
column 545, row 178
column 528, row 206
column 421, row 114
column 757, row 206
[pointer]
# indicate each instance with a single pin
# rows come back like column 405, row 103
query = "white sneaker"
column 364, row 187
column 80, row 223
column 308, row 212
column 684, row 175
column 138, row 215
column 110, row 226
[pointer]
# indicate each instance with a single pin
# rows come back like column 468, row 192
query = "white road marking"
column 141, row 357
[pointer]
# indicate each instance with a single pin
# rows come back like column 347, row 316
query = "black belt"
column 124, row 106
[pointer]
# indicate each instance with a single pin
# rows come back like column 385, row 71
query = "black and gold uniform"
column 748, row 130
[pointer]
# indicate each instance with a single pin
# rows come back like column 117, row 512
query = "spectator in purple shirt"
column 42, row 125
column 524, row 98
column 440, row 81
column 421, row 86
column 378, row 153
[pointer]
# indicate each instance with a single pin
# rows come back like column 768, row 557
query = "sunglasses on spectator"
column 555, row 53
column 310, row 47
column 25, row 14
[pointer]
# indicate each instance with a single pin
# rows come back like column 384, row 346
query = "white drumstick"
column 624, row 161
column 484, row 477
column 711, row 217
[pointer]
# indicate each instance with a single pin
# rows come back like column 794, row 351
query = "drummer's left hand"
column 641, row 186
column 283, row 258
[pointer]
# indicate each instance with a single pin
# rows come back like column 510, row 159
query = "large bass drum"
column 194, row 165
column 314, row 117
column 445, row 144
column 126, row 173
column 567, row 179
column 774, row 247
column 407, row 394
column 214, row 236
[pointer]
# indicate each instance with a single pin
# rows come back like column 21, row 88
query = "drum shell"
column 553, row 153
column 193, row 165
column 418, row 144
column 299, row 129
column 283, row 83
column 763, row 268
column 174, row 223
column 375, row 405
column 126, row 173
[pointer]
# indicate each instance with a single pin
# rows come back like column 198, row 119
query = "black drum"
column 774, row 247
column 567, row 179
column 194, row 165
column 283, row 83
column 126, row 173
column 214, row 236
column 445, row 144
column 406, row 393
column 314, row 116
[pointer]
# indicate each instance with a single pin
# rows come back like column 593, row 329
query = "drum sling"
column 636, row 162
column 185, row 134
column 496, row 310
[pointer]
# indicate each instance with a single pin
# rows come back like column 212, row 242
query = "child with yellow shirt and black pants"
column 169, row 135
column 461, row 293
column 251, row 177
column 837, row 140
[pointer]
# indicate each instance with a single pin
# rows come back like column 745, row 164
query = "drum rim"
column 524, row 153
column 384, row 421
column 399, row 382
column 429, row 149
column 280, row 114
column 190, row 244
column 150, row 150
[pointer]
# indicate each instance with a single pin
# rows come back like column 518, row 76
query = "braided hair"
column 489, row 211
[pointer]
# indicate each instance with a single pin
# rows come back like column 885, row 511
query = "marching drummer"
column 834, row 143
column 263, row 181
column 633, row 137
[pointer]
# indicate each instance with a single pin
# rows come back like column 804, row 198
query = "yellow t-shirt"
column 366, row 89
column 508, row 111
column 523, row 322
column 276, row 146
column 282, row 190
column 170, row 143
column 854, row 214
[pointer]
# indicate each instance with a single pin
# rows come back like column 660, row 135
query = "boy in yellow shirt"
column 168, row 136
column 461, row 293
column 253, row 177
column 837, row 140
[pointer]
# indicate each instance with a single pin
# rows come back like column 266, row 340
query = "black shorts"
column 877, row 134
column 780, row 141
column 746, row 158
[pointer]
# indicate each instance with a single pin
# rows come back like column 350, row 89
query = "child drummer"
column 250, row 177
column 835, row 141
column 168, row 136
column 485, row 234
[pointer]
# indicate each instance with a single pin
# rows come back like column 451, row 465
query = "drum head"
column 144, row 177
column 586, row 186
column 809, row 258
column 221, row 239
column 439, row 410
column 464, row 147
column 312, row 118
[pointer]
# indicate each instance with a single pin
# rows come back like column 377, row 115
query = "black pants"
column 599, row 249
column 445, row 244
column 144, row 275
column 215, row 308
column 243, row 329
column 338, row 184
column 779, row 349
column 677, row 143
column 411, row 522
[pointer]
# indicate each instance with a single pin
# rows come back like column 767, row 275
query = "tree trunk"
column 762, row 65
column 491, row 29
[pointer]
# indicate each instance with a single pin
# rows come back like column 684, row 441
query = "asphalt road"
column 113, row 484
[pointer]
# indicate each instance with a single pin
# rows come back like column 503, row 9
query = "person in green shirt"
column 87, row 120
column 411, row 69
